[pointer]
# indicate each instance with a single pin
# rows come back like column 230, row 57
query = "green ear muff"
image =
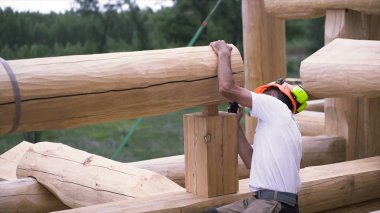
column 301, row 107
column 299, row 94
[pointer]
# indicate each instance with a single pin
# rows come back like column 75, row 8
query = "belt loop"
column 275, row 195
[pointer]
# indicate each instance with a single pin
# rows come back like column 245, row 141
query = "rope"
column 190, row 44
column 16, row 93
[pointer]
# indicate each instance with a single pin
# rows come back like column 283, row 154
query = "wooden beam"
column 321, row 150
column 355, row 119
column 311, row 123
column 10, row 159
column 343, row 68
column 210, row 146
column 323, row 188
column 316, row 105
column 27, row 196
column 264, row 44
column 69, row 91
column 79, row 178
column 307, row 9
column 366, row 206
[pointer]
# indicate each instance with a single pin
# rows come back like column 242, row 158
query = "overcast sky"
column 60, row 6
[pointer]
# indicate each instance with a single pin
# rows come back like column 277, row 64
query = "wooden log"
column 78, row 178
column 264, row 44
column 316, row 151
column 311, row 123
column 363, row 207
column 321, row 150
column 355, row 119
column 27, row 196
column 210, row 146
column 323, row 188
column 316, row 105
column 343, row 68
column 174, row 168
column 307, row 9
column 10, row 159
column 68, row 91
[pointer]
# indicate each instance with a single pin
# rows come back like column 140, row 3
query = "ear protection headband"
column 299, row 95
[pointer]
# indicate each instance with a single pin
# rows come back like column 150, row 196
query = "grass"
column 155, row 137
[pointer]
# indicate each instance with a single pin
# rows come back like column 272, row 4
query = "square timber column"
column 210, row 145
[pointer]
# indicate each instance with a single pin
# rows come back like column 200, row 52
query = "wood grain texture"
column 27, row 196
column 316, row 105
column 323, row 188
column 343, row 68
column 311, row 123
column 211, row 154
column 307, row 9
column 355, row 119
column 363, row 207
column 322, row 149
column 264, row 50
column 68, row 91
column 10, row 159
column 79, row 178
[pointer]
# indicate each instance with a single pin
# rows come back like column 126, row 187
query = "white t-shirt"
column 277, row 148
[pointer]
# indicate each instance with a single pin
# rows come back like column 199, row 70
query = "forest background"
column 121, row 26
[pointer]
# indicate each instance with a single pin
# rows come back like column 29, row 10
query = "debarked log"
column 69, row 91
column 323, row 188
column 78, row 178
column 307, row 9
column 27, row 196
column 343, row 68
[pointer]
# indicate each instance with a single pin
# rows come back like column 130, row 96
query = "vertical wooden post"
column 355, row 119
column 264, row 50
column 210, row 145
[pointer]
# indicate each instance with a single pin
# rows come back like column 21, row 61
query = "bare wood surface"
column 343, row 68
column 323, row 188
column 355, row 119
column 316, row 105
column 79, row 178
column 27, row 196
column 363, row 207
column 210, row 146
column 321, row 150
column 68, row 91
column 10, row 159
column 307, row 9
column 264, row 50
column 311, row 123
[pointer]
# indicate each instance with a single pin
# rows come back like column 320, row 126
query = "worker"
column 274, row 159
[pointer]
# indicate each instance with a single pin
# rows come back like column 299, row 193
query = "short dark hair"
column 275, row 92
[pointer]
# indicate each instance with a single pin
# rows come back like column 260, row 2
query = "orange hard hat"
column 282, row 88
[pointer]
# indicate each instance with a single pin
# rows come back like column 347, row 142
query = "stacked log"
column 69, row 91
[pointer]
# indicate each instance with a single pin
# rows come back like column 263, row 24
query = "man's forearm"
column 225, row 77
column 245, row 149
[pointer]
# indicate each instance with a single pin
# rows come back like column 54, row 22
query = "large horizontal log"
column 316, row 105
column 27, row 196
column 78, row 178
column 311, row 123
column 323, row 149
column 316, row 151
column 307, row 9
column 68, row 91
column 323, row 188
column 10, row 159
column 343, row 68
column 363, row 207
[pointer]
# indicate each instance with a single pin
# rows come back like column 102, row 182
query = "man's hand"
column 221, row 47
column 240, row 113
